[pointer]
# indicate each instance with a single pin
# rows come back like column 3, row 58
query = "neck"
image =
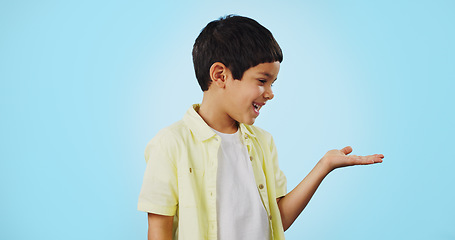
column 212, row 113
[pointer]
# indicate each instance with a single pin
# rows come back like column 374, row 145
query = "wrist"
column 325, row 166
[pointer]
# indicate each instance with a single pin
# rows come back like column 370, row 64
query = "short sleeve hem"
column 280, row 193
column 161, row 210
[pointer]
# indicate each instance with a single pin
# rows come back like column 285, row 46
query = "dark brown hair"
column 238, row 42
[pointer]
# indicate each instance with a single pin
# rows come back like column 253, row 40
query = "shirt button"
column 261, row 186
column 246, row 136
column 251, row 158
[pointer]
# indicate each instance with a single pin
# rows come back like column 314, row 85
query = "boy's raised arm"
column 295, row 201
column 160, row 227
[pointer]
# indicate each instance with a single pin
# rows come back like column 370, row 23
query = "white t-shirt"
column 240, row 212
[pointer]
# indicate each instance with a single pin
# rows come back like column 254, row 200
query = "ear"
column 219, row 74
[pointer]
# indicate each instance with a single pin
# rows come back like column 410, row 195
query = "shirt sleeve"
column 280, row 178
column 159, row 192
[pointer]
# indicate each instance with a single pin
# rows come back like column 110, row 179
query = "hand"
column 339, row 158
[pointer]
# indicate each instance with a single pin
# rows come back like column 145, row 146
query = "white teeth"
column 255, row 105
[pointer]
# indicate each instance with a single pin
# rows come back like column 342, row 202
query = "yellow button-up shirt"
column 180, row 177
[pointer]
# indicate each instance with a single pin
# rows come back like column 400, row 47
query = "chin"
column 249, row 122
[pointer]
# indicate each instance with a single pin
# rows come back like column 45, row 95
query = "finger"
column 355, row 160
column 370, row 159
column 346, row 150
column 376, row 157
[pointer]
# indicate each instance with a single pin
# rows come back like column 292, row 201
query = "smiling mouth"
column 256, row 107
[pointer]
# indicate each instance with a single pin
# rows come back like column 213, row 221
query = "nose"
column 268, row 94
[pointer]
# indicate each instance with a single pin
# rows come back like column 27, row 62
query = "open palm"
column 340, row 158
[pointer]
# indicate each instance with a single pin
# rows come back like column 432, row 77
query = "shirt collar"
column 201, row 130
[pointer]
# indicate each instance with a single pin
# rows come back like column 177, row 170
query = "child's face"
column 245, row 98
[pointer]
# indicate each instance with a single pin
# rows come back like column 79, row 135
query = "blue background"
column 86, row 84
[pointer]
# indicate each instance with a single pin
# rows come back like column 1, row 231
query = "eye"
column 262, row 81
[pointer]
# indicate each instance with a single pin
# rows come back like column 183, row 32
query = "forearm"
column 295, row 201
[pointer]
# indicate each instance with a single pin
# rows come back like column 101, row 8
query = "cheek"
column 253, row 93
column 259, row 91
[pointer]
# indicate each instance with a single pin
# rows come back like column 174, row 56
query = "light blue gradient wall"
column 86, row 84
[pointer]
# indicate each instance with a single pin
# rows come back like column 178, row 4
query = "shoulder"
column 167, row 140
column 171, row 133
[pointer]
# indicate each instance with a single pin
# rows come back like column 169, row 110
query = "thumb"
column 346, row 150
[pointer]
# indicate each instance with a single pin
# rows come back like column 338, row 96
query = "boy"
column 213, row 175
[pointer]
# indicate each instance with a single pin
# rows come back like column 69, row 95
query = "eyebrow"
column 268, row 75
